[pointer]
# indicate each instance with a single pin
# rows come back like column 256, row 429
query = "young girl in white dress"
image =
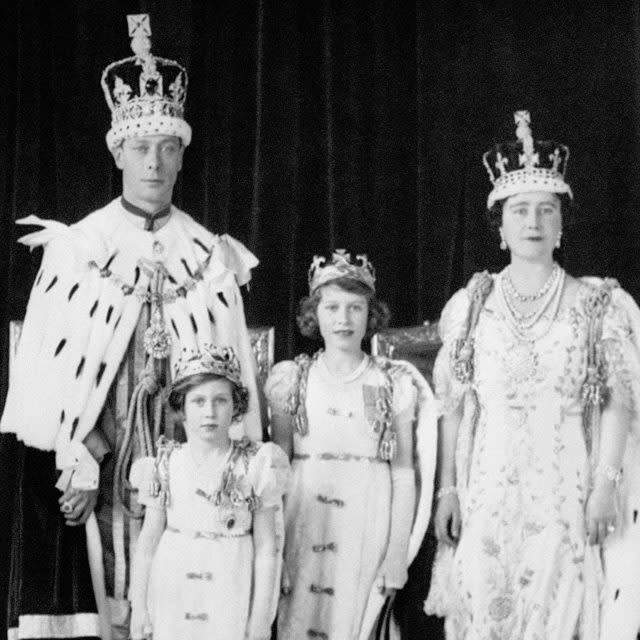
column 347, row 421
column 206, row 563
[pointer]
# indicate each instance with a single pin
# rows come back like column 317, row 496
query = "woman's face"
column 342, row 318
column 208, row 411
column 531, row 222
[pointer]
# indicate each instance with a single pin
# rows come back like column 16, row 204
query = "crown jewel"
column 219, row 361
column 526, row 164
column 341, row 267
column 146, row 94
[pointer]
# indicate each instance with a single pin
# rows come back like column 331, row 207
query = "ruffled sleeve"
column 621, row 347
column 448, row 389
column 143, row 478
column 236, row 257
column 268, row 475
column 405, row 394
column 281, row 385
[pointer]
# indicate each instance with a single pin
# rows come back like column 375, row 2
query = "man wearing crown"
column 118, row 297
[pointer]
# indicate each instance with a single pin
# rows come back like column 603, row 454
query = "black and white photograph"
column 319, row 320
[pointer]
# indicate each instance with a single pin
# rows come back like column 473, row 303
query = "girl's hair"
column 307, row 317
column 239, row 393
column 494, row 214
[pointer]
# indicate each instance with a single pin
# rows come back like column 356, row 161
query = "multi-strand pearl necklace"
column 521, row 297
column 550, row 294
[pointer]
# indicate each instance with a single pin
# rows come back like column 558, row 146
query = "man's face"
column 150, row 166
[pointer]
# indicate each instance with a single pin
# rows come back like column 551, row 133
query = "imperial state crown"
column 146, row 94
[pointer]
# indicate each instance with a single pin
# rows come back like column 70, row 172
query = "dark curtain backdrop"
column 320, row 124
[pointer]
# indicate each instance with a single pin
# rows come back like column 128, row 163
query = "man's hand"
column 76, row 505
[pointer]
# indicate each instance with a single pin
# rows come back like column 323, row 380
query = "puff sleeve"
column 448, row 389
column 280, row 386
column 405, row 394
column 268, row 475
column 143, row 478
column 620, row 343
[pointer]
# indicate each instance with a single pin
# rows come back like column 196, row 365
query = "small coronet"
column 209, row 359
column 341, row 266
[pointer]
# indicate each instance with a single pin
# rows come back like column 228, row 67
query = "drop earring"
column 503, row 243
column 559, row 238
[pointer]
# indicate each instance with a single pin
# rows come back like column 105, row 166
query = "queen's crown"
column 526, row 164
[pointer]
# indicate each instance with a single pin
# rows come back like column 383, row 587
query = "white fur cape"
column 82, row 313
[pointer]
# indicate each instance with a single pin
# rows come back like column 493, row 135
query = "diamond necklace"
column 521, row 297
column 521, row 325
column 527, row 320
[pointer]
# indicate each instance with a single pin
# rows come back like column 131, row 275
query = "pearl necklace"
column 527, row 320
column 521, row 297
column 521, row 324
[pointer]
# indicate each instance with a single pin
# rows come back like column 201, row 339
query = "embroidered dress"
column 523, row 568
column 337, row 511
column 201, row 575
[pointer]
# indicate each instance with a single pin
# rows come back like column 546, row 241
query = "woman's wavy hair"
column 307, row 317
column 239, row 393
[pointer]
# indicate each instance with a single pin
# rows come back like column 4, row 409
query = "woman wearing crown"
column 538, row 381
column 350, row 423
column 206, row 564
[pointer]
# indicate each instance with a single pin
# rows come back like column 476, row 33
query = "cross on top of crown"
column 528, row 158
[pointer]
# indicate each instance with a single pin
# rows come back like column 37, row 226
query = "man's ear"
column 180, row 157
column 117, row 152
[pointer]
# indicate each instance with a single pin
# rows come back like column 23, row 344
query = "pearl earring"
column 558, row 239
column 503, row 243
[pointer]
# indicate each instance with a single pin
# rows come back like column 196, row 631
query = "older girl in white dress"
column 206, row 564
column 348, row 421
column 538, row 381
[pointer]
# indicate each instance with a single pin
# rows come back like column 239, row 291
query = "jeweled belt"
column 208, row 535
column 340, row 457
